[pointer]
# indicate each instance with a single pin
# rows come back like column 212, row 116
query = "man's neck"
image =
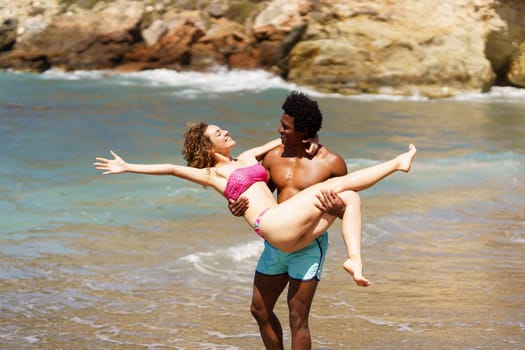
column 297, row 150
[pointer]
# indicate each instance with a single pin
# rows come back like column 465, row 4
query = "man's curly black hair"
column 306, row 113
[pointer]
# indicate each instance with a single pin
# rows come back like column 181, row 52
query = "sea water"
column 145, row 262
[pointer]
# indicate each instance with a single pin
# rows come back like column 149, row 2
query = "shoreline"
column 254, row 80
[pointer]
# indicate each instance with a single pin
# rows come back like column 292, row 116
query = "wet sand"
column 131, row 289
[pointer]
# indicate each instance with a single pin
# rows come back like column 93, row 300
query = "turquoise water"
column 154, row 262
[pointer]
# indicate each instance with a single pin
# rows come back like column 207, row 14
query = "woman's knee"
column 351, row 198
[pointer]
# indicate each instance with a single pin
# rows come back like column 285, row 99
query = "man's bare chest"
column 298, row 173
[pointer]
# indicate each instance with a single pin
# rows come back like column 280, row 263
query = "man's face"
column 289, row 136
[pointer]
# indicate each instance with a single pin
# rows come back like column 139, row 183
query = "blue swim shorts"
column 305, row 264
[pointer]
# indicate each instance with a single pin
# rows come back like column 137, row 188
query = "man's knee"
column 298, row 314
column 298, row 322
column 259, row 312
column 255, row 310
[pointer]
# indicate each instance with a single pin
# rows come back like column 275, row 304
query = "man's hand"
column 330, row 203
column 239, row 206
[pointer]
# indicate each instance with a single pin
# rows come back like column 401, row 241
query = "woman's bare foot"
column 355, row 269
column 406, row 159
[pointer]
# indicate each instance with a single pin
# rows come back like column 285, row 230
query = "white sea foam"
column 378, row 322
column 222, row 81
column 32, row 339
column 236, row 253
column 197, row 262
column 91, row 323
column 56, row 74
column 228, row 336
column 497, row 93
column 244, row 251
column 218, row 262
column 211, row 346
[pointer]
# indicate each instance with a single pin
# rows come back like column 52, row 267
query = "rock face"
column 435, row 48
column 505, row 43
column 89, row 40
column 8, row 33
column 406, row 47
column 516, row 72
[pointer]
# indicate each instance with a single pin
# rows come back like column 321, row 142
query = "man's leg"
column 300, row 296
column 304, row 268
column 266, row 291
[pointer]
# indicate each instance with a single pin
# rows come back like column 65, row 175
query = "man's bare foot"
column 406, row 159
column 355, row 269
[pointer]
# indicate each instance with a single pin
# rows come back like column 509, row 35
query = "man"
column 291, row 169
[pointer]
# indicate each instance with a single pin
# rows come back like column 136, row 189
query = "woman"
column 288, row 226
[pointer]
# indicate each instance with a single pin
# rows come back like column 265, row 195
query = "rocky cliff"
column 427, row 47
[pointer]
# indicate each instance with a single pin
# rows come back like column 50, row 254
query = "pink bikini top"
column 241, row 179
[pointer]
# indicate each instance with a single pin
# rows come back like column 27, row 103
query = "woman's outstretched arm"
column 117, row 165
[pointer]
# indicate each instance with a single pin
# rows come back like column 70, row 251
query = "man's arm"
column 239, row 206
column 329, row 201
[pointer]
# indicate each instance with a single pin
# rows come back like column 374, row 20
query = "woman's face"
column 220, row 139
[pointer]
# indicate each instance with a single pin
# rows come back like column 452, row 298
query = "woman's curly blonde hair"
column 197, row 149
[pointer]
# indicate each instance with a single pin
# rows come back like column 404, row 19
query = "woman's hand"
column 111, row 166
column 312, row 145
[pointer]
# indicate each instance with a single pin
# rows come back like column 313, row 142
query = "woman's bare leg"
column 297, row 221
column 365, row 178
column 351, row 229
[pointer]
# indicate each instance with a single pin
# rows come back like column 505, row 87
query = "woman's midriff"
column 260, row 198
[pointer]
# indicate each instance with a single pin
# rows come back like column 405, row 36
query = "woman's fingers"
column 114, row 154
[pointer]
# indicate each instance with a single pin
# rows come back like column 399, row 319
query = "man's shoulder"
column 332, row 161
column 323, row 155
column 274, row 153
column 326, row 154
